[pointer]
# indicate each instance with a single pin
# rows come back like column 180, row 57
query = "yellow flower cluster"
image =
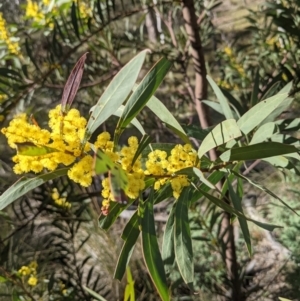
column 38, row 13
column 84, row 10
column 30, row 271
column 62, row 202
column 33, row 11
column 12, row 46
column 135, row 173
column 232, row 58
column 159, row 164
column 64, row 142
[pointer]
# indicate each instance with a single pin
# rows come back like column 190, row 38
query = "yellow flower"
column 33, row 11
column 84, row 10
column 33, row 265
column 228, row 51
column 32, row 281
column 64, row 140
column 62, row 202
column 81, row 172
column 24, row 270
column 11, row 44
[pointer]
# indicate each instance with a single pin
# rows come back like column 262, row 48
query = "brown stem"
column 192, row 30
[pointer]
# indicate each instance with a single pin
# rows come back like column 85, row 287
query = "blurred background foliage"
column 40, row 41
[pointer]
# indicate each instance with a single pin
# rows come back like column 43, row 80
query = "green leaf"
column 196, row 132
column 288, row 124
column 118, row 183
column 195, row 172
column 228, row 208
column 218, row 108
column 255, row 90
column 103, row 162
column 3, row 279
column 285, row 138
column 94, row 294
column 119, row 113
column 222, row 133
column 151, row 252
column 182, row 238
column 24, row 185
column 263, row 188
column 115, row 94
column 30, row 149
column 144, row 142
column 131, row 226
column 280, row 109
column 168, row 250
column 234, row 103
column 253, row 117
column 115, row 209
column 10, row 73
column 74, row 19
column 99, row 11
column 130, row 235
column 271, row 90
column 117, row 176
column 258, row 151
column 161, row 111
column 284, row 299
column 263, row 133
column 278, row 161
column 213, row 178
column 142, row 94
column 129, row 289
column 237, row 204
column 221, row 98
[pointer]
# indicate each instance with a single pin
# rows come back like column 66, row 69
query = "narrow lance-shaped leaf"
column 237, row 204
column 129, row 294
column 94, row 294
column 144, row 142
column 255, row 90
column 115, row 94
column 222, row 133
column 161, row 111
column 228, row 208
column 151, row 251
column 182, row 239
column 263, row 188
column 30, row 149
column 218, row 108
column 72, row 85
column 221, row 98
column 263, row 133
column 119, row 113
column 74, row 20
column 253, row 117
column 168, row 250
column 118, row 184
column 117, row 176
column 24, row 185
column 258, row 151
column 142, row 94
column 130, row 235
column 115, row 209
